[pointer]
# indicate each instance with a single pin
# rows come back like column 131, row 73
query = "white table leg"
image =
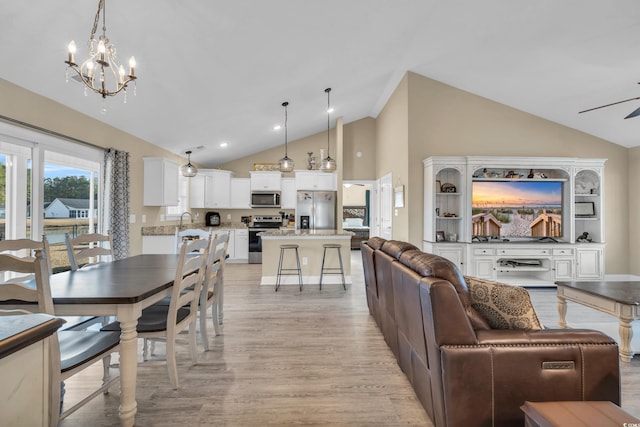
column 626, row 334
column 562, row 312
column 128, row 318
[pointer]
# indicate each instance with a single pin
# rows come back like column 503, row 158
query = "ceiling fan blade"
column 634, row 113
column 609, row 105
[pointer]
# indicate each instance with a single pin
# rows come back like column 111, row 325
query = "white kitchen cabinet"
column 316, row 180
column 288, row 199
column 589, row 263
column 242, row 245
column 211, row 188
column 161, row 182
column 158, row 244
column 240, row 193
column 266, row 181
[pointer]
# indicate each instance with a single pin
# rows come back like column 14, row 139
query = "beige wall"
column 634, row 210
column 20, row 104
column 354, row 195
column 443, row 120
column 360, row 136
column 392, row 153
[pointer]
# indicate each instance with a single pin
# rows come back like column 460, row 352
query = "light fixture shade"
column 189, row 170
column 286, row 164
column 328, row 164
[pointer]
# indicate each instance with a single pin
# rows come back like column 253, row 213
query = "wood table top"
column 627, row 292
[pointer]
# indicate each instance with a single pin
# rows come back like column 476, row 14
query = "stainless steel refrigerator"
column 316, row 210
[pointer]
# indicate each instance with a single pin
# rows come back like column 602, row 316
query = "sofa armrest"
column 493, row 379
column 542, row 337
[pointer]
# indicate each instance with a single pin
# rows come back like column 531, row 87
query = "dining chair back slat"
column 92, row 247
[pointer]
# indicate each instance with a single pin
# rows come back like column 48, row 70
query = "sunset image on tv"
column 517, row 208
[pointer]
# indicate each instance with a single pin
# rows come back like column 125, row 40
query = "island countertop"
column 302, row 234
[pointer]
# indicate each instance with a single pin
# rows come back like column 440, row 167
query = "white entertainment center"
column 556, row 249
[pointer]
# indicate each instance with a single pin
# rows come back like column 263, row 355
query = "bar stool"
column 288, row 271
column 332, row 270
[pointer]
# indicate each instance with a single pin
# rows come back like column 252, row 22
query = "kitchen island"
column 310, row 251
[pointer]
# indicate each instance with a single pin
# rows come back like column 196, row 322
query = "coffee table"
column 621, row 299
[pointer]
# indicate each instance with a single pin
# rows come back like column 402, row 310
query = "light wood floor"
column 291, row 358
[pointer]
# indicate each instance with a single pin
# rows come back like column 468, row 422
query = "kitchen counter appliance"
column 265, row 199
column 316, row 210
column 260, row 223
column 212, row 219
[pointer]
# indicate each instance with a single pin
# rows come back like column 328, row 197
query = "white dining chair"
column 72, row 351
column 212, row 285
column 89, row 248
column 188, row 234
column 161, row 321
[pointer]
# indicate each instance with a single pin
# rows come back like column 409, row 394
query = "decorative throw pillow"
column 503, row 306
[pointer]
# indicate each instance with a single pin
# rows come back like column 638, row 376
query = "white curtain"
column 115, row 200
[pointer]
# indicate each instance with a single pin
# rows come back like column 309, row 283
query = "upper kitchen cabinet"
column 266, row 181
column 316, row 180
column 161, row 178
column 210, row 189
column 240, row 193
column 289, row 197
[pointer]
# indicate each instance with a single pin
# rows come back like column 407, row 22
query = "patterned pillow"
column 504, row 306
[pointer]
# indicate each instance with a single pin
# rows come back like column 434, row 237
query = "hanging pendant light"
column 328, row 164
column 189, row 170
column 286, row 164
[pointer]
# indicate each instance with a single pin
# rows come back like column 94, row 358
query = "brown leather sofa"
column 463, row 372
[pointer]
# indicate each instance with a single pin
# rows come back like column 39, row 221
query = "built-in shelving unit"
column 570, row 255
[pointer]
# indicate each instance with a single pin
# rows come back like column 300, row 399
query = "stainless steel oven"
column 260, row 224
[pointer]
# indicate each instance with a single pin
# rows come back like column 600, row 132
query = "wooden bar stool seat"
column 289, row 271
column 332, row 270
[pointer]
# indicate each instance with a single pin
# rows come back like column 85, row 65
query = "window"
column 48, row 186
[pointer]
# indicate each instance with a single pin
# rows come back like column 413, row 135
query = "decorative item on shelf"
column 452, row 237
column 530, row 173
column 286, row 164
column 311, row 161
column 447, row 187
column 266, row 167
column 101, row 72
column 438, row 186
column 584, row 238
column 440, row 236
column 437, row 212
column 328, row 164
column 189, row 170
column 512, row 175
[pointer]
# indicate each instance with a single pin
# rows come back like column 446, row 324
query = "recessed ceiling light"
column 277, row 127
column 223, row 144
column 330, row 110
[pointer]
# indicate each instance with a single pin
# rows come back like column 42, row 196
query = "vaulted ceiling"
column 213, row 71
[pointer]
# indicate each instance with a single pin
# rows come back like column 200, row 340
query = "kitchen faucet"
column 182, row 216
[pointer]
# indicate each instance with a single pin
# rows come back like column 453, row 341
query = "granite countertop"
column 304, row 233
column 170, row 230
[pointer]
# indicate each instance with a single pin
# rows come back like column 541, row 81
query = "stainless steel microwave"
column 265, row 199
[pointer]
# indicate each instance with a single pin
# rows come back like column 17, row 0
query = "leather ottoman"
column 576, row 414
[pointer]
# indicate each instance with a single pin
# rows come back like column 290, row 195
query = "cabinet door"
column 266, row 181
column 485, row 268
column 218, row 190
column 288, row 199
column 313, row 180
column 588, row 263
column 242, row 244
column 240, row 193
column 455, row 254
column 231, row 247
column 326, row 181
column 563, row 268
column 161, row 182
column 197, row 191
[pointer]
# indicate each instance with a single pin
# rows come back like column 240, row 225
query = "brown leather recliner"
column 465, row 373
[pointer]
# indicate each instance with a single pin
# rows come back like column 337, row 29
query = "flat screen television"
column 517, row 209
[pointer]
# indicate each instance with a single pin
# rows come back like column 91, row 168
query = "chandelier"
column 286, row 163
column 189, row 170
column 101, row 72
column 328, row 164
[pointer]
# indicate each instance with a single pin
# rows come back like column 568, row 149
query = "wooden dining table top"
column 124, row 281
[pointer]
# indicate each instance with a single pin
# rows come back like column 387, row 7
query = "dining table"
column 122, row 288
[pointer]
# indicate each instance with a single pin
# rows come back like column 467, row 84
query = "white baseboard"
column 621, row 277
